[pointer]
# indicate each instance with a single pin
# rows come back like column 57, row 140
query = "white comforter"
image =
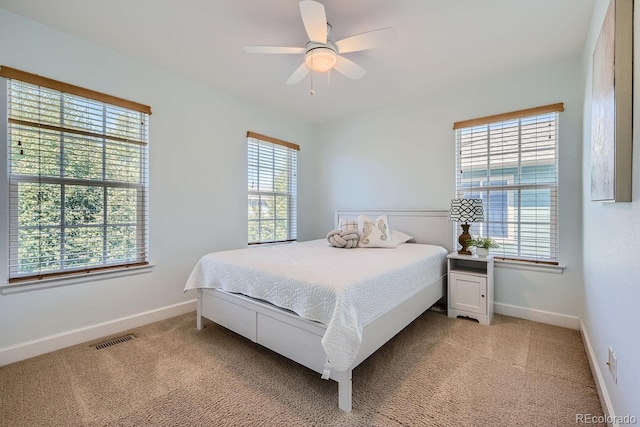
column 342, row 288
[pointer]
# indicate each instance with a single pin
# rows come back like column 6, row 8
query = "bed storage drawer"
column 298, row 344
column 232, row 316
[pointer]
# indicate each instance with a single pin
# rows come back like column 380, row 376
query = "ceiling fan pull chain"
column 311, row 91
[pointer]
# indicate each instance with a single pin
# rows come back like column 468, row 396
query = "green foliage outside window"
column 79, row 198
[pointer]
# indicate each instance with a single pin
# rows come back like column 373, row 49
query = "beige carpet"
column 437, row 372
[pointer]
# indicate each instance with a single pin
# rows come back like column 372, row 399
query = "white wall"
column 403, row 157
column 611, row 256
column 197, row 179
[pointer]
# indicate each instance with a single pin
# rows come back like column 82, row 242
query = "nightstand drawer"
column 468, row 292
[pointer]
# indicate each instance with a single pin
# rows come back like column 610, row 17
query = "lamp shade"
column 466, row 210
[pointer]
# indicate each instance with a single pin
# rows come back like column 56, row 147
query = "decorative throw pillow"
column 343, row 238
column 375, row 234
column 348, row 224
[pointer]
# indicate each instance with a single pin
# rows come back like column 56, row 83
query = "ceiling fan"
column 322, row 54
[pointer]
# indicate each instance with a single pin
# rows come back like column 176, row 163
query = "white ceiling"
column 439, row 43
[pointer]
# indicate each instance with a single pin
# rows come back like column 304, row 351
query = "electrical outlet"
column 613, row 365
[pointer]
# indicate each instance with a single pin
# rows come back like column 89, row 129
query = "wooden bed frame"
column 266, row 324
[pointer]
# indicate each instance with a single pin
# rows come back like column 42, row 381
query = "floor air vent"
column 114, row 342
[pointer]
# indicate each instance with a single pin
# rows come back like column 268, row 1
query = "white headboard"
column 427, row 226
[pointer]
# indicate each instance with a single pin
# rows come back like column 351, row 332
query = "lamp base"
column 463, row 240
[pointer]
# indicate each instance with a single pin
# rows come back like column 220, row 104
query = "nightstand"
column 470, row 287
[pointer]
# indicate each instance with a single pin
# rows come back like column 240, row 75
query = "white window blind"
column 272, row 189
column 510, row 161
column 78, row 181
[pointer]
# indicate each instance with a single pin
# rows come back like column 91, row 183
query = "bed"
column 346, row 312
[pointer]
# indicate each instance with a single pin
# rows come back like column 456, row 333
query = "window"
column 510, row 161
column 272, row 169
column 78, row 178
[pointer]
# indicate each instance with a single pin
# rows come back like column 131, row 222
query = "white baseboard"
column 566, row 321
column 603, row 394
column 66, row 339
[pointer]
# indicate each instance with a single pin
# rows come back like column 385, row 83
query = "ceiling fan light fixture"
column 320, row 59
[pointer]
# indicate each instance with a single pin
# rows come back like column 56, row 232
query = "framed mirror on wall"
column 611, row 132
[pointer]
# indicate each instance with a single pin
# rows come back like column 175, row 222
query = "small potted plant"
column 482, row 245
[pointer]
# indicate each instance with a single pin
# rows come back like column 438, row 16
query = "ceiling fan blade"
column 314, row 19
column 299, row 74
column 349, row 68
column 367, row 40
column 273, row 49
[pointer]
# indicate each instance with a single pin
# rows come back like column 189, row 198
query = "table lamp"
column 466, row 211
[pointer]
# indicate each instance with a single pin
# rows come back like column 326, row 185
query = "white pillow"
column 400, row 237
column 375, row 234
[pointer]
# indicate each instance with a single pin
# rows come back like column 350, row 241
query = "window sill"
column 54, row 282
column 529, row 266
